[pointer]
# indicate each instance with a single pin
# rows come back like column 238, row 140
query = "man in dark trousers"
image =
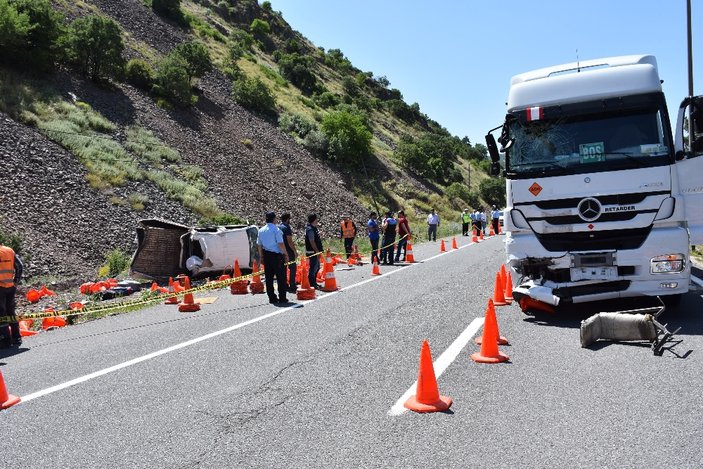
column 347, row 231
column 313, row 245
column 387, row 243
column 272, row 253
column 403, row 235
column 10, row 275
column 290, row 250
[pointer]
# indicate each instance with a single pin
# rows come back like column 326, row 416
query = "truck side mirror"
column 495, row 168
column 492, row 148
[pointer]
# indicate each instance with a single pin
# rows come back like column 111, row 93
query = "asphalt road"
column 246, row 384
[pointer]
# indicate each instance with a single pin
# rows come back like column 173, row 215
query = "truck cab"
column 603, row 199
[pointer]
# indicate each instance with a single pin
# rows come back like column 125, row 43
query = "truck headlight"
column 669, row 263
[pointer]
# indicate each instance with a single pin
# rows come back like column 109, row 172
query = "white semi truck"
column 603, row 201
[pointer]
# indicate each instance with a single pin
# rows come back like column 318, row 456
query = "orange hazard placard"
column 535, row 189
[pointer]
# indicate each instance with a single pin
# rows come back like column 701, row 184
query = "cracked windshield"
column 588, row 143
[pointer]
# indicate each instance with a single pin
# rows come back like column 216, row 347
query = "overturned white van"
column 166, row 249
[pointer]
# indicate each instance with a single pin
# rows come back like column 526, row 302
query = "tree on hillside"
column 493, row 191
column 173, row 80
column 349, row 137
column 297, row 69
column 431, row 156
column 197, row 58
column 14, row 28
column 253, row 94
column 260, row 29
column 95, row 46
column 43, row 46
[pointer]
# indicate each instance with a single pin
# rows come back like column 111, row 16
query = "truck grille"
column 595, row 241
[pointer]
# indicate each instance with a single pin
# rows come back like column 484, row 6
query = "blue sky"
column 456, row 58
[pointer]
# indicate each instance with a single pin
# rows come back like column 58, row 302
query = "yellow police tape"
column 125, row 306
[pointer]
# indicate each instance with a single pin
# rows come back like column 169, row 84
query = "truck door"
column 689, row 165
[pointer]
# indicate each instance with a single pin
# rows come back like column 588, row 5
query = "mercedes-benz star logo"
column 589, row 209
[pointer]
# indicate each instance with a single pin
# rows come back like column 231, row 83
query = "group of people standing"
column 478, row 221
column 390, row 227
column 277, row 249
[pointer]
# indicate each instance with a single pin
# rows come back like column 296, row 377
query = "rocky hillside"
column 68, row 225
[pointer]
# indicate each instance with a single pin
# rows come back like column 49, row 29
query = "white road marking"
column 173, row 348
column 442, row 363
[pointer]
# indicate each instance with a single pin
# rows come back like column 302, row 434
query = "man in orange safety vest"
column 347, row 232
column 10, row 274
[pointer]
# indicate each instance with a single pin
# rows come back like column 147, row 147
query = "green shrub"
column 137, row 201
column 431, row 156
column 334, row 58
column 316, row 143
column 326, row 99
column 296, row 124
column 253, row 94
column 196, row 56
column 260, row 29
column 349, row 137
column 222, row 219
column 95, row 46
column 31, row 34
column 140, row 74
column 11, row 240
column 458, row 191
column 492, row 190
column 273, row 76
column 148, row 148
column 116, row 262
column 297, row 69
column 174, row 81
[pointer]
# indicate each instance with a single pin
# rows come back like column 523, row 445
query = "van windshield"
column 571, row 142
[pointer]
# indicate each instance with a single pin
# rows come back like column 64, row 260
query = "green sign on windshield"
column 592, row 152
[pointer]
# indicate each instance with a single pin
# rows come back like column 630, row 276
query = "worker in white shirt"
column 432, row 225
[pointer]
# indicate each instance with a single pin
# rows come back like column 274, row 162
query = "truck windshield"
column 573, row 143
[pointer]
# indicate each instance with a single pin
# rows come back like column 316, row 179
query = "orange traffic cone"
column 499, row 230
column 239, row 286
column 305, row 291
column 188, row 305
column 489, row 345
column 375, row 270
column 427, row 397
column 53, row 322
column 6, row 400
column 474, row 237
column 323, row 269
column 330, row 281
column 172, row 300
column 503, row 274
column 256, row 285
column 409, row 257
column 480, row 235
column 441, row 246
column 498, row 292
column 25, row 330
column 500, row 340
column 454, row 246
column 509, row 288
column 491, row 232
column 352, row 260
column 33, row 295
